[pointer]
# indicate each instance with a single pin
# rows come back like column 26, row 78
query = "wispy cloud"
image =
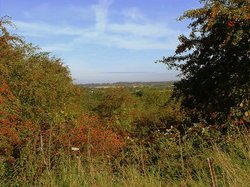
column 128, row 34
column 129, row 72
column 43, row 29
column 101, row 13
column 151, row 30
column 133, row 14
column 58, row 47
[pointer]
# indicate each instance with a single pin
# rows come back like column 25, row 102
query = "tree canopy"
column 214, row 61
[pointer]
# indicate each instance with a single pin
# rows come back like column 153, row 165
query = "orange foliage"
column 88, row 133
column 8, row 133
column 92, row 136
column 230, row 23
column 13, row 131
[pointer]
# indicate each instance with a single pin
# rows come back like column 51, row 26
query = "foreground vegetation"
column 55, row 133
column 177, row 164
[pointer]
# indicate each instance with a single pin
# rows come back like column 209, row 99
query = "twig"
column 212, row 172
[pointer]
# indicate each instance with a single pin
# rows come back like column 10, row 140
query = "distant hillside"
column 161, row 84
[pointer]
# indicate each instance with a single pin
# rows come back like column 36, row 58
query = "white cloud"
column 133, row 14
column 44, row 29
column 142, row 35
column 135, row 43
column 58, row 47
column 151, row 30
column 101, row 13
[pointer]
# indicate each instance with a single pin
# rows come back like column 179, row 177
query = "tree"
column 214, row 61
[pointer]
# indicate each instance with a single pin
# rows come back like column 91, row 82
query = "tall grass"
column 175, row 163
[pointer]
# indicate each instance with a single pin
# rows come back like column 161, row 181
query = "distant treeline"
column 160, row 84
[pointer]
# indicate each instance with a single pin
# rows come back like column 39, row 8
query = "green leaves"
column 214, row 59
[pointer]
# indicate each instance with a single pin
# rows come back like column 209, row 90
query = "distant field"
column 162, row 84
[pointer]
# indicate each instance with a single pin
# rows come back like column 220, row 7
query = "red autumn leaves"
column 9, row 136
column 230, row 23
column 88, row 133
column 93, row 137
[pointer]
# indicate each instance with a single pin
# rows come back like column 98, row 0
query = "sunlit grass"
column 231, row 163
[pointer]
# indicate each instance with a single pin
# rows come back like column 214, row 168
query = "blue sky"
column 104, row 40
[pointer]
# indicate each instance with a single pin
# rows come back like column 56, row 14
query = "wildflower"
column 246, row 114
column 75, row 149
